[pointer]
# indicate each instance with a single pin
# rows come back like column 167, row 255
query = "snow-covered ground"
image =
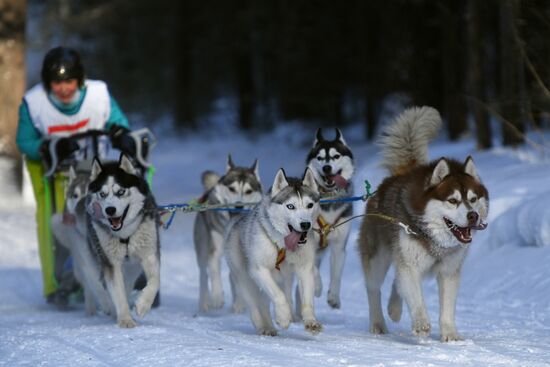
column 503, row 307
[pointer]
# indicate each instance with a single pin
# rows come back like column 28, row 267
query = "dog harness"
column 325, row 228
column 281, row 252
column 281, row 255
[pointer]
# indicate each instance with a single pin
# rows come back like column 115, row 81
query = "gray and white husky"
column 331, row 162
column 443, row 203
column 122, row 231
column 69, row 229
column 237, row 185
column 268, row 245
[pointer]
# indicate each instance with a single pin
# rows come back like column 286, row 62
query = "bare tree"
column 476, row 78
column 452, row 68
column 12, row 71
column 511, row 75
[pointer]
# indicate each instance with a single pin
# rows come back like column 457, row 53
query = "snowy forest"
column 321, row 63
column 255, row 80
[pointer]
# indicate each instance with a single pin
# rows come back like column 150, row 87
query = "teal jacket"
column 29, row 138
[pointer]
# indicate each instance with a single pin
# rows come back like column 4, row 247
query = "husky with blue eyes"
column 122, row 231
column 443, row 203
column 268, row 245
column 331, row 162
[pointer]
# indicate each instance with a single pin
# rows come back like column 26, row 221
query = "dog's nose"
column 110, row 210
column 327, row 169
column 472, row 218
column 305, row 226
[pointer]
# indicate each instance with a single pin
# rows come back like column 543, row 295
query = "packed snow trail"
column 503, row 307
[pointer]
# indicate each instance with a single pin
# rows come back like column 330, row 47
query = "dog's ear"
column 339, row 136
column 309, row 180
column 440, row 171
column 470, row 168
column 230, row 165
column 256, row 169
column 72, row 174
column 279, row 183
column 318, row 137
column 96, row 169
column 126, row 165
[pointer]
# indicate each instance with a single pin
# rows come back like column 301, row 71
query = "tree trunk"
column 510, row 75
column 184, row 101
column 12, row 71
column 454, row 101
column 476, row 79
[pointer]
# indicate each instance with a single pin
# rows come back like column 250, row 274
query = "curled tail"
column 209, row 179
column 405, row 140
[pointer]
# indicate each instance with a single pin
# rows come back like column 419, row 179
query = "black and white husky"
column 237, row 185
column 268, row 245
column 331, row 162
column 122, row 231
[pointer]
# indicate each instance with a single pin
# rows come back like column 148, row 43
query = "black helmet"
column 62, row 63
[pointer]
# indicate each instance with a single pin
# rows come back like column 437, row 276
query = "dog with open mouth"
column 266, row 247
column 331, row 162
column 422, row 219
column 123, row 233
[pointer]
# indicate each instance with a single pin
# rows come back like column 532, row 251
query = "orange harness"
column 324, row 229
column 281, row 254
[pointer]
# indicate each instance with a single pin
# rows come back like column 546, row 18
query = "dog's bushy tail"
column 405, row 140
column 209, row 179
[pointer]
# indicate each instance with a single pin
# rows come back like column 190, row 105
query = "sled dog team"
column 421, row 219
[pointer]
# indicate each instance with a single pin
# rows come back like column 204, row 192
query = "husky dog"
column 266, row 246
column 442, row 202
column 237, row 185
column 69, row 229
column 122, row 230
column 331, row 162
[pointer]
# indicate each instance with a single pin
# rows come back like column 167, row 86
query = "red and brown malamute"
column 443, row 203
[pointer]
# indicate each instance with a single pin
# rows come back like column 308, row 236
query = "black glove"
column 63, row 149
column 121, row 140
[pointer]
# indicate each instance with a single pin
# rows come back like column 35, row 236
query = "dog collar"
column 281, row 252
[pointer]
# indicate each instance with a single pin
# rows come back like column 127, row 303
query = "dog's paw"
column 378, row 328
column 267, row 331
column 142, row 307
column 333, row 300
column 313, row 326
column 126, row 323
column 421, row 327
column 106, row 306
column 203, row 306
column 216, row 300
column 283, row 316
column 452, row 336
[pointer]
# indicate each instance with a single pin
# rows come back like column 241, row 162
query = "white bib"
column 92, row 115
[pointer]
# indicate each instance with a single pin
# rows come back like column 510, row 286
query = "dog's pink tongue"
column 97, row 212
column 340, row 181
column 291, row 240
column 69, row 218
